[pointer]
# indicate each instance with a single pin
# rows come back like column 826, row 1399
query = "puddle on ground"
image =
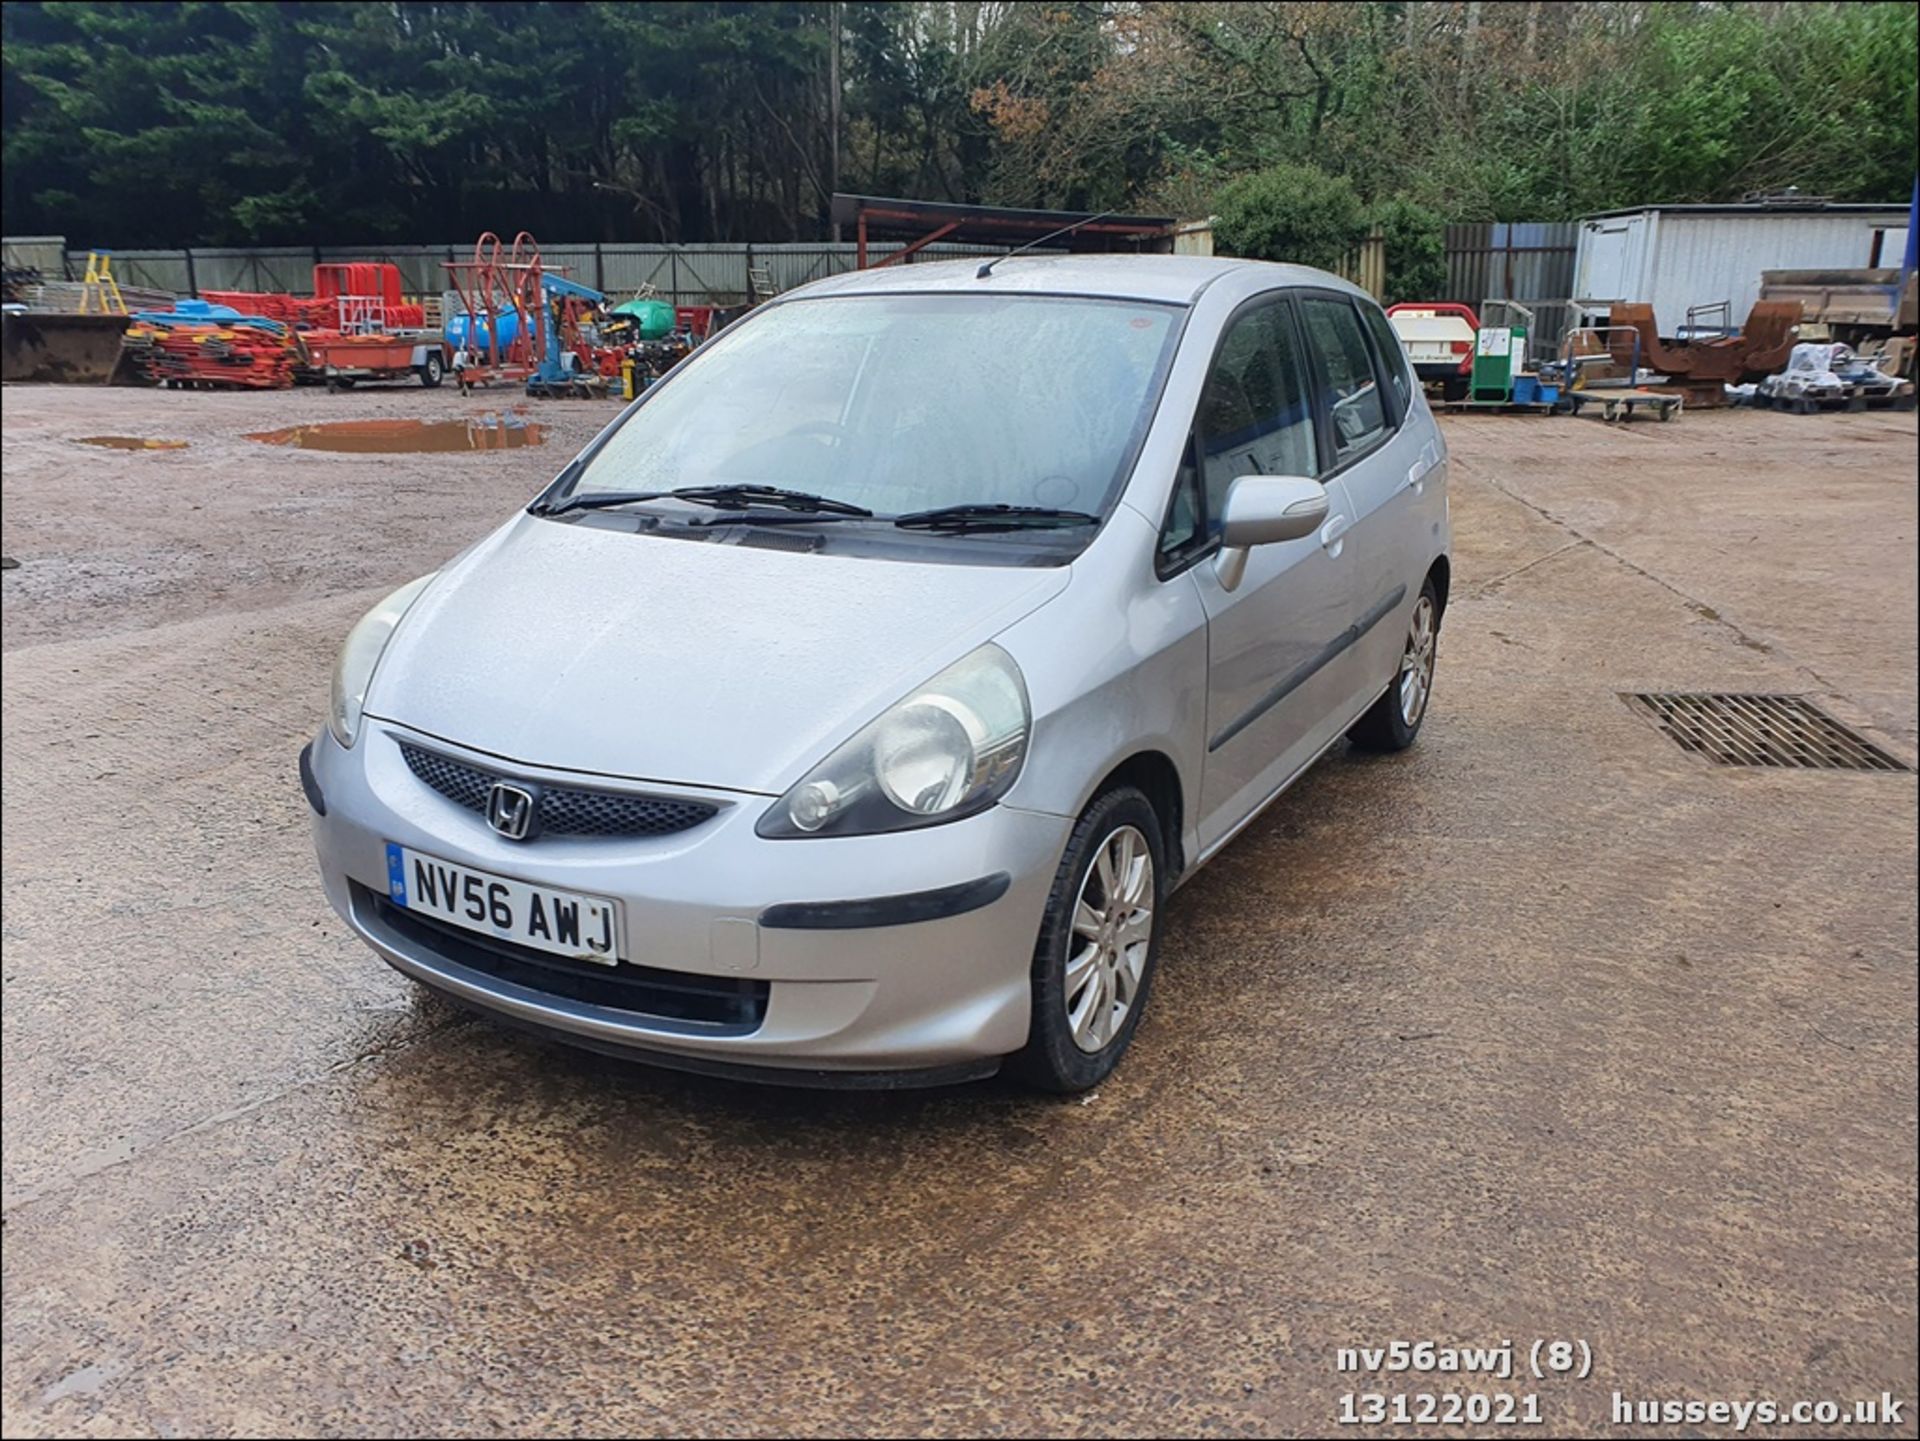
column 132, row 442
column 409, row 437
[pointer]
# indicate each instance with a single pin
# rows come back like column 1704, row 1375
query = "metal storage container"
column 1678, row 257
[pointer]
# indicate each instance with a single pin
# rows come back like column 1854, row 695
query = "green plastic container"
column 653, row 317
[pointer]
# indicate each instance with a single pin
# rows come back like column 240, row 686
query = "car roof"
column 1178, row 279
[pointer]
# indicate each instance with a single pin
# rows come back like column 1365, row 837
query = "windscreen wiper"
column 738, row 495
column 777, row 517
column 724, row 495
column 595, row 500
column 980, row 517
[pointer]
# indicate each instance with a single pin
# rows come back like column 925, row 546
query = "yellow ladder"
column 99, row 283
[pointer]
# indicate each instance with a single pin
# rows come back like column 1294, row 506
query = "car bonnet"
column 585, row 648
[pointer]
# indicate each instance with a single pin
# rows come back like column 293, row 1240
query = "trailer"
column 349, row 360
column 1438, row 336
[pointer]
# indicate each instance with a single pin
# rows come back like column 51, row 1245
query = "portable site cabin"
column 1679, row 257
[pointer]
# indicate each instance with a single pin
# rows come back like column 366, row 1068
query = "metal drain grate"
column 1761, row 730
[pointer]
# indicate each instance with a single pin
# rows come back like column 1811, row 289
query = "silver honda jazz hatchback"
column 847, row 711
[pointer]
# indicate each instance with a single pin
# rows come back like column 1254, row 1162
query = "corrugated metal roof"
column 1894, row 208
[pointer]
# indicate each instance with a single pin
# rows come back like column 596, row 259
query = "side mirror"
column 1262, row 509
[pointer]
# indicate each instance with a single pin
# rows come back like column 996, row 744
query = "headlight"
column 354, row 670
column 950, row 749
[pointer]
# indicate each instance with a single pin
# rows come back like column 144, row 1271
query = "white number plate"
column 587, row 928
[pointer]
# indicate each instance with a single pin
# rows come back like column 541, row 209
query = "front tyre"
column 1093, row 966
column 1392, row 722
column 431, row 370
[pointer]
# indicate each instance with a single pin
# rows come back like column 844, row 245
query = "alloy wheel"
column 1112, row 930
column 1416, row 665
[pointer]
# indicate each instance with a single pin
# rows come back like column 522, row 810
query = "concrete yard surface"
column 1544, row 1030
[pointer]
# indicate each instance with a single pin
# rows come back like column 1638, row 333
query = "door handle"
column 1331, row 532
column 1425, row 466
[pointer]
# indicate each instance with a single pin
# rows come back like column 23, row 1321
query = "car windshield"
column 906, row 403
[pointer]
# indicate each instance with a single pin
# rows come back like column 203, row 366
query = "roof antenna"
column 986, row 266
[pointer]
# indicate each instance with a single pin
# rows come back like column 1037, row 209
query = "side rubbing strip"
column 887, row 910
column 1301, row 673
column 309, row 782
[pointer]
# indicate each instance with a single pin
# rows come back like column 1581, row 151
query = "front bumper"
column 875, row 955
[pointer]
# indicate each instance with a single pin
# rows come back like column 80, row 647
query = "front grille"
column 563, row 810
column 1760, row 730
column 678, row 999
column 464, row 785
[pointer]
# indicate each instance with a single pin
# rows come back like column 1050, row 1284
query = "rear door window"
column 1393, row 356
column 1354, row 401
